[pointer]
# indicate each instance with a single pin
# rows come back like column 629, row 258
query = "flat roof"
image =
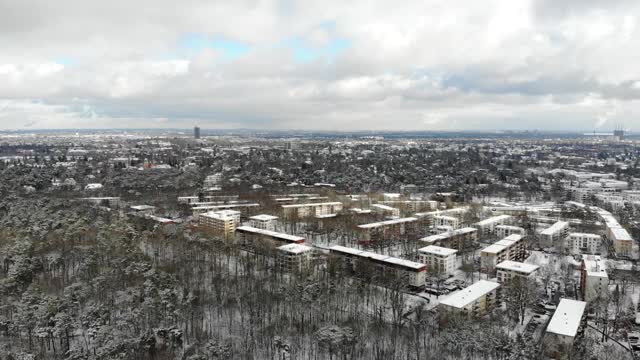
column 509, row 227
column 142, row 207
column 567, row 317
column 437, row 250
column 446, row 217
column 493, row 249
column 620, row 233
column 469, row 294
column 517, row 266
column 443, row 212
column 558, row 226
column 383, row 207
column 505, row 242
column 388, row 222
column 493, row 220
column 270, row 233
column 385, row 259
column 312, row 204
column 295, row 248
column 434, row 238
column 513, row 237
column 594, row 265
column 263, row 217
column 213, row 207
column 585, row 235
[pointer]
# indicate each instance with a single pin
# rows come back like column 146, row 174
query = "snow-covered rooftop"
column 263, row 217
column 437, row 250
column 567, row 317
column 270, row 233
column 493, row 249
column 470, row 294
column 594, row 265
column 295, row 248
column 335, row 203
column 517, row 267
column 388, row 222
column 555, row 228
column 390, row 260
column 493, row 220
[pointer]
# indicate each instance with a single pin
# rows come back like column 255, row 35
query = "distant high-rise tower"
column 196, row 132
column 618, row 133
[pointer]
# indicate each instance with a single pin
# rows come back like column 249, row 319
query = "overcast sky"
column 326, row 65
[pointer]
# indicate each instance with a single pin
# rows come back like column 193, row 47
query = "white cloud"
column 462, row 63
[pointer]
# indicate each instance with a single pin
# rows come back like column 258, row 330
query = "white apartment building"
column 509, row 248
column 223, row 222
column 474, row 300
column 584, row 243
column 448, row 221
column 294, row 257
column 388, row 230
column 386, row 210
column 508, row 269
column 502, row 231
column 312, row 209
column 263, row 221
column 594, row 281
column 487, row 227
column 455, row 239
column 565, row 326
column 438, row 259
column 555, row 233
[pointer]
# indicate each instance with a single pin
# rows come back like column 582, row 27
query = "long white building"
column 410, row 272
column 474, row 300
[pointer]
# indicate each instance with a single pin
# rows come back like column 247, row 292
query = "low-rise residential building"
column 502, row 231
column 294, row 256
column 445, row 220
column 594, row 281
column 583, row 243
column 508, row 269
column 623, row 243
column 311, row 209
column 555, row 233
column 510, row 248
column 223, row 222
column 377, row 266
column 487, row 227
column 262, row 240
column 475, row 300
column 438, row 259
column 388, row 230
column 565, row 326
column 456, row 239
column 386, row 210
column 413, row 205
column 263, row 221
